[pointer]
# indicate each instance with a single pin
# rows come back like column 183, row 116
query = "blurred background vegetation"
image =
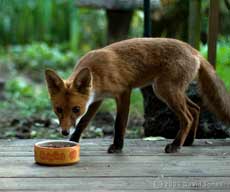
column 37, row 34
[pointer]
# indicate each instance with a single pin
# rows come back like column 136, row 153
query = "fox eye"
column 59, row 110
column 76, row 109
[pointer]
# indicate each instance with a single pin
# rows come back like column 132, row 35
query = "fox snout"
column 65, row 132
column 65, row 127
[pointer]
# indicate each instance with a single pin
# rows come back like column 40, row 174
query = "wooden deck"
column 143, row 166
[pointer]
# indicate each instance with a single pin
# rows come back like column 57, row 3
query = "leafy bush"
column 18, row 87
column 52, row 21
column 34, row 58
column 223, row 53
column 26, row 97
column 37, row 56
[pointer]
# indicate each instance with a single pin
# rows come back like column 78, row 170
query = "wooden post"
column 213, row 30
column 147, row 19
column 116, row 4
column 147, row 91
column 2, row 86
column 194, row 23
column 118, row 24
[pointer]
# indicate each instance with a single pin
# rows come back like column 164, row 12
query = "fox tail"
column 213, row 91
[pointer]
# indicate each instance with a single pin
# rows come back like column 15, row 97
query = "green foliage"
column 136, row 108
column 223, row 52
column 34, row 58
column 27, row 98
column 22, row 22
column 92, row 31
column 52, row 21
column 223, row 60
column 223, row 72
column 74, row 27
column 135, row 29
column 19, row 88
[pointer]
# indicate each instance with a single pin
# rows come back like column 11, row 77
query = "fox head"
column 69, row 98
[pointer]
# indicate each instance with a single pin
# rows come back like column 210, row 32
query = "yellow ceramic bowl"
column 56, row 152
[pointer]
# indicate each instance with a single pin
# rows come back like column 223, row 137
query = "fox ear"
column 82, row 81
column 54, row 82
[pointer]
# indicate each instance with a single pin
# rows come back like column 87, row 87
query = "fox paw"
column 114, row 149
column 171, row 148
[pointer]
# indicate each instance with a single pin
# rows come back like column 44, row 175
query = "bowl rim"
column 38, row 144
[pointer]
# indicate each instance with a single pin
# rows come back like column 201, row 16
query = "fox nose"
column 65, row 132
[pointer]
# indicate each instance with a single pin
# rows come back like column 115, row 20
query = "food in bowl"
column 56, row 152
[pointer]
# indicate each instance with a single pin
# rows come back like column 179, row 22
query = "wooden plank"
column 27, row 151
column 92, row 190
column 128, row 142
column 120, row 166
column 116, row 4
column 121, row 184
column 138, row 147
column 142, row 167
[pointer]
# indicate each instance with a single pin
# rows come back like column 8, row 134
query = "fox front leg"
column 83, row 123
column 123, row 102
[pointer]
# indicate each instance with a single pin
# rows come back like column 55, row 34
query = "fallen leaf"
column 153, row 138
column 209, row 142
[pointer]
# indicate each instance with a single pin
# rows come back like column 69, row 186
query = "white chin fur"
column 59, row 130
column 72, row 130
column 91, row 100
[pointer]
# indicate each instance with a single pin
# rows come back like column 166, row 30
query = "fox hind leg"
column 195, row 111
column 175, row 98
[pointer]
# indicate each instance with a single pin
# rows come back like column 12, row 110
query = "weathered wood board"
column 143, row 166
column 116, row 4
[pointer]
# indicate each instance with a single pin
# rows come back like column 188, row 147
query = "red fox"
column 168, row 65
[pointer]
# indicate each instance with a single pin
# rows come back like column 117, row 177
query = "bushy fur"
column 214, row 92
